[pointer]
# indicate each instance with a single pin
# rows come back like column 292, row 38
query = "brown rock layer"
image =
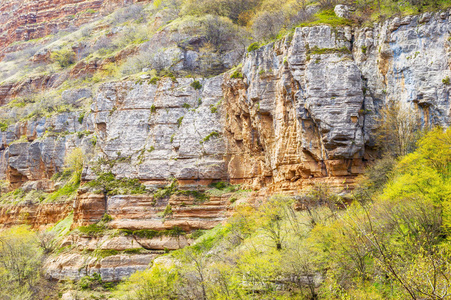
column 35, row 215
column 29, row 19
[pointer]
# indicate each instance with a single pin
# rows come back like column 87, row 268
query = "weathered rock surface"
column 303, row 113
column 111, row 268
column 163, row 130
column 37, row 216
column 26, row 20
column 407, row 60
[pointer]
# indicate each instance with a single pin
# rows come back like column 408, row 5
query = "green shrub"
column 3, row 126
column 114, row 186
column 209, row 136
column 106, row 218
column 149, row 234
column 92, row 230
column 89, row 282
column 253, row 46
column 167, row 191
column 328, row 17
column 167, row 211
column 64, row 57
column 236, row 74
column 154, row 80
column 81, row 117
column 179, row 122
column 196, row 85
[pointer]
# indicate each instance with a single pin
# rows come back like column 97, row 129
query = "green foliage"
column 199, row 197
column 20, row 263
column 328, row 17
column 90, row 282
column 214, row 108
column 106, row 218
column 102, row 253
column 316, row 50
column 252, row 47
column 64, row 57
column 196, row 85
column 381, row 247
column 446, row 80
column 209, row 136
column 93, row 229
column 167, row 211
column 236, row 74
column 63, row 193
column 117, row 186
column 172, row 189
column 154, row 80
column 81, row 118
column 179, row 122
column 167, row 191
column 153, row 108
column 149, row 234
column 3, row 126
column 160, row 282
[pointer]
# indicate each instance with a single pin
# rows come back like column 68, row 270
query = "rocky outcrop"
column 27, row 20
column 298, row 112
column 295, row 116
column 111, row 268
column 35, row 150
column 162, row 130
column 407, row 60
column 37, row 216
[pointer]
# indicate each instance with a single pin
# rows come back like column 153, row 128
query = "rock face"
column 30, row 19
column 157, row 131
column 38, row 216
column 297, row 112
column 295, row 116
column 408, row 60
column 111, row 268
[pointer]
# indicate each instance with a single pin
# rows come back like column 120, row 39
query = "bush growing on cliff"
column 111, row 185
column 64, row 57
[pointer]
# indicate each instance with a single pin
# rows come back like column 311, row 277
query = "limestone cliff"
column 296, row 112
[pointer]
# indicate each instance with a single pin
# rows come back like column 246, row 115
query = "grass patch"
column 253, row 47
column 320, row 51
column 328, row 17
column 113, row 186
column 149, row 234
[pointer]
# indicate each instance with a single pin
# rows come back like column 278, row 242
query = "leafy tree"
column 20, row 262
column 398, row 129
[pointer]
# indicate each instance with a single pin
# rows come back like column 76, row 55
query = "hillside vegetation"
column 389, row 244
column 148, row 39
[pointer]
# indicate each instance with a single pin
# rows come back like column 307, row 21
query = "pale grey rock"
column 342, row 11
column 73, row 96
column 157, row 131
column 407, row 61
column 74, row 266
